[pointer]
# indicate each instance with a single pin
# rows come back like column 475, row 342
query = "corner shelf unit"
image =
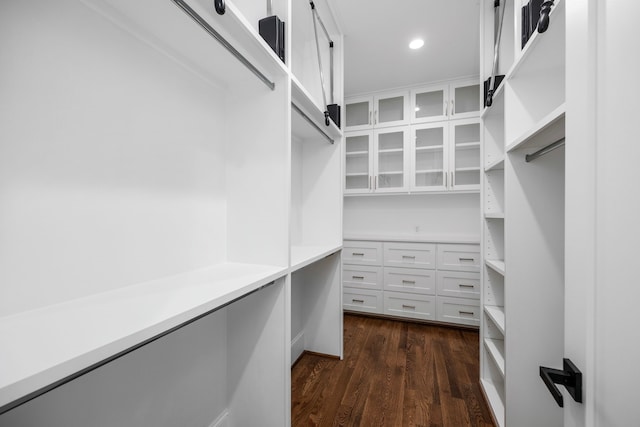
column 522, row 216
column 185, row 215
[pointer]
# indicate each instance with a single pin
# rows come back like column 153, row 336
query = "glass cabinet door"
column 359, row 113
column 465, row 159
column 429, row 157
column 391, row 109
column 429, row 104
column 465, row 99
column 358, row 164
column 391, row 159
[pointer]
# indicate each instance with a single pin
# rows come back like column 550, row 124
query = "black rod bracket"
column 570, row 377
column 545, row 10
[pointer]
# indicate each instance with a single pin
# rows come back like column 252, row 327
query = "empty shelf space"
column 494, row 215
column 495, row 399
column 497, row 164
column 301, row 98
column 86, row 331
column 496, row 264
column 303, row 255
column 496, row 314
column 544, row 132
column 495, row 348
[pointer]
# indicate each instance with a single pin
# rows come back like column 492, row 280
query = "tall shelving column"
column 523, row 218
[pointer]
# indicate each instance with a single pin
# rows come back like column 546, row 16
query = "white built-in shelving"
column 181, row 199
column 522, row 216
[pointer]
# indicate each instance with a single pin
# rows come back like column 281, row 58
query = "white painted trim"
column 297, row 347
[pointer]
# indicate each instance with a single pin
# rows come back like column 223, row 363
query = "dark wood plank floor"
column 393, row 374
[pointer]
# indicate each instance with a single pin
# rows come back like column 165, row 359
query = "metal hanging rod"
column 549, row 148
column 213, row 33
column 312, row 123
column 314, row 12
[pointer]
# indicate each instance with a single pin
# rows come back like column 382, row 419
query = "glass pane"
column 429, row 160
column 467, row 99
column 467, row 133
column 390, row 141
column 357, row 165
column 467, row 178
column 390, row 180
column 430, row 179
column 468, row 158
column 358, row 114
column 357, row 160
column 429, row 104
column 357, row 144
column 429, row 137
column 357, row 182
column 391, row 109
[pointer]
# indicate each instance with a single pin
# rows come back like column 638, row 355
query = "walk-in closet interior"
column 193, row 194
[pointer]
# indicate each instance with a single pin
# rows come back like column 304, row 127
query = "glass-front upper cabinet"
column 429, row 157
column 429, row 103
column 358, row 162
column 359, row 113
column 391, row 159
column 391, row 109
column 464, row 99
column 465, row 158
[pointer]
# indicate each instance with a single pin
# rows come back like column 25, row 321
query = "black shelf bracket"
column 570, row 377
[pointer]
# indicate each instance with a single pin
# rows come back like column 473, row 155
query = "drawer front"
column 362, row 253
column 458, row 284
column 409, row 305
column 413, row 280
column 414, row 255
column 362, row 300
column 362, row 277
column 459, row 310
column 459, row 257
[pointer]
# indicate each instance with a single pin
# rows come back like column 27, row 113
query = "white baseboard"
column 297, row 347
column 222, row 420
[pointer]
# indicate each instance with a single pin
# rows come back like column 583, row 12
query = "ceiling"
column 377, row 35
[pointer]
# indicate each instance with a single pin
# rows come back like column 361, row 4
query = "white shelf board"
column 474, row 169
column 42, row 346
column 496, row 314
column 303, row 255
column 429, row 171
column 486, row 111
column 497, row 164
column 406, row 192
column 495, row 400
column 467, row 145
column 430, row 148
column 496, row 264
column 495, row 348
column 494, row 215
column 391, row 150
column 391, row 173
column 551, row 124
column 357, row 174
column 165, row 27
column 301, row 98
column 416, row 237
column 357, row 153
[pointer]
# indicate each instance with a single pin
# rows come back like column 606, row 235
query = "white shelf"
column 498, row 93
column 429, row 171
column 495, row 348
column 496, row 264
column 495, row 165
column 496, row 314
column 357, row 153
column 406, row 192
column 303, row 255
column 544, row 132
column 45, row 345
column 357, row 174
column 391, row 150
column 467, row 145
column 494, row 215
column 495, row 400
column 422, row 238
column 467, row 169
column 301, row 98
column 391, row 173
column 430, row 148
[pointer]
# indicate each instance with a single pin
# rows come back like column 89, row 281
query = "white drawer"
column 416, row 255
column 362, row 277
column 362, row 300
column 459, row 284
column 409, row 305
column 362, row 253
column 413, row 280
column 459, row 257
column 459, row 310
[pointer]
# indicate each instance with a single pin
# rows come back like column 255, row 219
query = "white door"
column 602, row 289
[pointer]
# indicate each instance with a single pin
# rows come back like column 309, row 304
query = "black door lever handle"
column 570, row 377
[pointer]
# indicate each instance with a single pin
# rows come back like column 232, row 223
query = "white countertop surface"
column 416, row 237
column 42, row 346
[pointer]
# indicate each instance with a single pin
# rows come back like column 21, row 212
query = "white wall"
column 110, row 173
column 435, row 214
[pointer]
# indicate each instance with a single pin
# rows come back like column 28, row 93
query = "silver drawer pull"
column 466, row 259
column 357, row 300
column 362, row 277
column 412, row 307
column 470, row 313
column 357, row 254
column 462, row 285
column 409, row 256
column 410, row 282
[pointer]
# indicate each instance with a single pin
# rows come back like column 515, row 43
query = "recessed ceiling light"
column 416, row 44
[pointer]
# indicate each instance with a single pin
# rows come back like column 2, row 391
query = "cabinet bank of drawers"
column 427, row 281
